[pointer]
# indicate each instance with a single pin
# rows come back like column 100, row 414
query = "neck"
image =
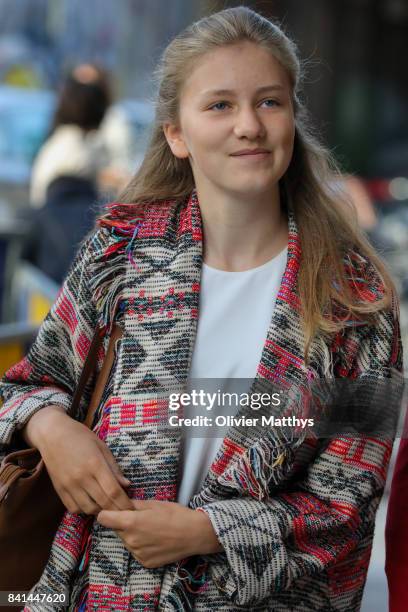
column 241, row 232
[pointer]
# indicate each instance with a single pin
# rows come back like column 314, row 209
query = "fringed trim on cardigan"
column 266, row 462
column 114, row 248
column 190, row 581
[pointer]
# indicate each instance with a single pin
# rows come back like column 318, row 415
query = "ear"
column 175, row 140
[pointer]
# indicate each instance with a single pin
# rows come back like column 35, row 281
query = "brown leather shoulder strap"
column 103, row 375
column 89, row 367
column 87, row 370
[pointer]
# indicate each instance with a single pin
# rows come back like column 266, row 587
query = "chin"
column 254, row 188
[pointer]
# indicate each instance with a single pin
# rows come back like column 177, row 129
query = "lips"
column 250, row 152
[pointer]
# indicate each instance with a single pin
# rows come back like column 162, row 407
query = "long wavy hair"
column 327, row 221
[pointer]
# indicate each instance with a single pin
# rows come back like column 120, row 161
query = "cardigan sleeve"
column 50, row 371
column 323, row 518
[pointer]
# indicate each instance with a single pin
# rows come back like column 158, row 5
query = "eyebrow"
column 228, row 92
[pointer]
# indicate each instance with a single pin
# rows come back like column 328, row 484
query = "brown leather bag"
column 30, row 508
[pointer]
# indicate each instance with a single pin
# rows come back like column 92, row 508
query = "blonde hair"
column 326, row 220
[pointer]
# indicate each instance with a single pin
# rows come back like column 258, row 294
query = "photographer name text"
column 242, row 421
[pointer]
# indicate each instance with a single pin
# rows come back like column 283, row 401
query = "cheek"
column 288, row 130
column 204, row 147
column 290, row 141
column 286, row 137
column 198, row 141
column 208, row 138
column 285, row 145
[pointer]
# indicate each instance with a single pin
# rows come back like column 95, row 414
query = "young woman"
column 228, row 256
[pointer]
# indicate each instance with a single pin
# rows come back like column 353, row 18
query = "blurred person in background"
column 73, row 147
column 65, row 182
column 227, row 256
column 56, row 229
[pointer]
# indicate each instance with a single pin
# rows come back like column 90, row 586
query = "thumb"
column 111, row 461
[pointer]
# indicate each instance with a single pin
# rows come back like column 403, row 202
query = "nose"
column 248, row 124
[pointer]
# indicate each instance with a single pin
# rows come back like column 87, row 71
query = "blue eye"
column 274, row 102
column 218, row 104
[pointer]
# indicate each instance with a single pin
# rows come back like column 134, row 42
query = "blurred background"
column 75, row 113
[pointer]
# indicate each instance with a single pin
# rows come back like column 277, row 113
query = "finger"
column 112, row 489
column 97, row 493
column 68, row 501
column 85, row 503
column 143, row 504
column 111, row 461
column 114, row 519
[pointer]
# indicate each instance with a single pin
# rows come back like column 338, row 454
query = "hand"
column 161, row 532
column 81, row 467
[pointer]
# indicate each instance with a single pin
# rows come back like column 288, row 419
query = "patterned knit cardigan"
column 301, row 547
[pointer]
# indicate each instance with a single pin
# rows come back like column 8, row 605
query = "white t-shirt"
column 68, row 151
column 234, row 317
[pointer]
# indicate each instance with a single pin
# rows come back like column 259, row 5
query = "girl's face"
column 237, row 99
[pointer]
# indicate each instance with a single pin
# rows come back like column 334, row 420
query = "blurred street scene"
column 75, row 114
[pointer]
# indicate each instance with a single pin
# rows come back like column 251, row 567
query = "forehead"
column 239, row 66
